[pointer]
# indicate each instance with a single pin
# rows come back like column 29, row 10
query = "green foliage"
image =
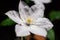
column 54, row 15
column 7, row 22
column 51, row 35
column 27, row 1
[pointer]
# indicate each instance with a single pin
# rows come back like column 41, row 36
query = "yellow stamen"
column 28, row 20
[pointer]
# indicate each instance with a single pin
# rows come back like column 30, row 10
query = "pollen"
column 29, row 20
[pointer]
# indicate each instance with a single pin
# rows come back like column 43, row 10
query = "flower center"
column 29, row 20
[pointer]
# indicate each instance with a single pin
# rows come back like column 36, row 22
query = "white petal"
column 37, row 1
column 38, row 11
column 23, row 10
column 21, row 31
column 41, row 1
column 44, row 23
column 38, row 14
column 14, row 16
column 46, row 1
column 38, row 6
column 38, row 31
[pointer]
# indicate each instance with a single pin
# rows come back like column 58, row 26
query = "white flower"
column 30, row 20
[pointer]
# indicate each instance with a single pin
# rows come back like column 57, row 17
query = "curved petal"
column 38, row 6
column 44, row 23
column 38, row 31
column 14, row 16
column 37, row 11
column 41, row 1
column 21, row 30
column 46, row 1
column 37, row 1
column 23, row 10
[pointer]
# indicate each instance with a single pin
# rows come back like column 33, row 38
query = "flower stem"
column 21, row 38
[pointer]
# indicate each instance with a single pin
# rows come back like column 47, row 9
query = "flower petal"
column 44, row 23
column 37, row 1
column 38, row 11
column 21, row 30
column 38, row 6
column 23, row 10
column 46, row 1
column 38, row 31
column 41, row 1
column 14, row 16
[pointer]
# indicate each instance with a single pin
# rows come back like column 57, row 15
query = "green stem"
column 21, row 38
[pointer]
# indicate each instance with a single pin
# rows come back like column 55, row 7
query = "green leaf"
column 7, row 22
column 27, row 1
column 54, row 15
column 51, row 35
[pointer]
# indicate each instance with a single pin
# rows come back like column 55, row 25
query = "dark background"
column 7, row 33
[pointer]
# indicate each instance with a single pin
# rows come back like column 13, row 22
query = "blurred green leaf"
column 51, row 35
column 7, row 22
column 27, row 1
column 54, row 15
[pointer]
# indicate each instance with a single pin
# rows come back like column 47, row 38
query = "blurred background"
column 7, row 26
